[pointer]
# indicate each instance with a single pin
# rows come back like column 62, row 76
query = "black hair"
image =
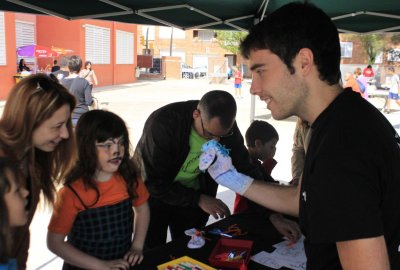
column 260, row 130
column 295, row 26
column 99, row 126
column 221, row 104
column 87, row 63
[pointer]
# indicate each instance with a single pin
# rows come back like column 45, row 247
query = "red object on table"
column 225, row 245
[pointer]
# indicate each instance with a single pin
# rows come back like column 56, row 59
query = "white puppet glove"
column 216, row 159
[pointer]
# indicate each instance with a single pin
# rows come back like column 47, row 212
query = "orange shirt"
column 68, row 205
column 352, row 82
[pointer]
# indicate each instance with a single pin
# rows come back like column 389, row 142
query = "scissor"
column 235, row 230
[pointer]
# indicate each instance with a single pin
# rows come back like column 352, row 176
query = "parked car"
column 191, row 73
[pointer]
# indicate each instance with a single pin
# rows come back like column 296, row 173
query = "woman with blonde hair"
column 35, row 132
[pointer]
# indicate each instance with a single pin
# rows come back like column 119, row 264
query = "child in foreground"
column 94, row 208
column 13, row 202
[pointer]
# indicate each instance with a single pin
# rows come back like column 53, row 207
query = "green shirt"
column 189, row 171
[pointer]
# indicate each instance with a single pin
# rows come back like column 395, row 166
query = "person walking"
column 88, row 73
column 394, row 90
column 63, row 72
column 79, row 87
column 237, row 75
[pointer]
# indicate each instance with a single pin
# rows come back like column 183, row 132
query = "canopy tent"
column 350, row 16
column 359, row 16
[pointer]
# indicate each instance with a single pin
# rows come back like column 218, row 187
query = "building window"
column 124, row 47
column 97, row 44
column 204, row 35
column 25, row 35
column 3, row 58
column 346, row 49
column 165, row 32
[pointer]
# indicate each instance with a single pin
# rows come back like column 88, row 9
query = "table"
column 260, row 230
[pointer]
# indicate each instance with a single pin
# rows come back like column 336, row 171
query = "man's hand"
column 216, row 158
column 214, row 207
column 286, row 227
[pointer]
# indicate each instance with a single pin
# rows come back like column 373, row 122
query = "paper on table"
column 286, row 254
column 266, row 259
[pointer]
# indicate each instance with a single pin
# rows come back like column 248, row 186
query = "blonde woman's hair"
column 30, row 102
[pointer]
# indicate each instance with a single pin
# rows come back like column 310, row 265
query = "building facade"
column 110, row 46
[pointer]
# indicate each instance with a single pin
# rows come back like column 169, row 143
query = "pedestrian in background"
column 88, row 73
column 79, row 87
column 237, row 75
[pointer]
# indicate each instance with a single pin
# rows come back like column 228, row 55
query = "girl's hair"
column 31, row 102
column 5, row 230
column 87, row 63
column 99, row 126
column 21, row 64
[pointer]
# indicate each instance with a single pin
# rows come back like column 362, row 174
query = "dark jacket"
column 164, row 146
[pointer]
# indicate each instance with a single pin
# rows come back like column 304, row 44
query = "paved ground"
column 134, row 102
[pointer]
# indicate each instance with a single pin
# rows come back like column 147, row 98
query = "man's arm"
column 363, row 254
column 282, row 199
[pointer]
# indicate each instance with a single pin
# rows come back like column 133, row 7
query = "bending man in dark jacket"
column 181, row 196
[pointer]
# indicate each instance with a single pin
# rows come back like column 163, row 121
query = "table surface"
column 259, row 229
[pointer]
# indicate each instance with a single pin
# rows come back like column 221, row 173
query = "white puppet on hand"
column 216, row 160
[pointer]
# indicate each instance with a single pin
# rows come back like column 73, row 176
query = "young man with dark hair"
column 181, row 196
column 63, row 71
column 79, row 87
column 55, row 67
column 348, row 199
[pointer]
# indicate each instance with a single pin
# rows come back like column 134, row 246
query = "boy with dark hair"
column 261, row 139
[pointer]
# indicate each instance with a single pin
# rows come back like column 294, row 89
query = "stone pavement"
column 134, row 102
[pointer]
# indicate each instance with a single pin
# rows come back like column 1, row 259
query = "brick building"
column 110, row 46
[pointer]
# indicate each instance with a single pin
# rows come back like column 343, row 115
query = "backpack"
column 361, row 85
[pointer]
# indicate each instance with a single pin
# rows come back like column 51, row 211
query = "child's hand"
column 134, row 256
column 116, row 265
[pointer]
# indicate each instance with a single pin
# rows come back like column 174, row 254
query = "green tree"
column 230, row 40
column 373, row 44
